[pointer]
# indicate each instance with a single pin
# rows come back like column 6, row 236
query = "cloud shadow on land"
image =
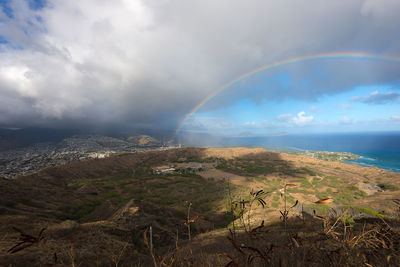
column 109, row 189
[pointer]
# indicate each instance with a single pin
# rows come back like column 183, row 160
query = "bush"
column 352, row 188
column 306, row 183
column 109, row 186
column 348, row 221
column 75, row 185
column 369, row 211
column 307, row 171
column 79, row 212
column 390, row 187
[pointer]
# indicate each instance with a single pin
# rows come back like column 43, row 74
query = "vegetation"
column 79, row 212
column 144, row 185
column 368, row 211
column 120, row 213
column 390, row 187
column 246, row 166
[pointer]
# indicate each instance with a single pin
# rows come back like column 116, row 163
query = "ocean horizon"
column 381, row 150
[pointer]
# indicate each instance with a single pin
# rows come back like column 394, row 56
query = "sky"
column 150, row 63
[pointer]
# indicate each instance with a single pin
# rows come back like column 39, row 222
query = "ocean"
column 380, row 150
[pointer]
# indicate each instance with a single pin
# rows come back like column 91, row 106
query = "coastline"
column 364, row 161
column 359, row 159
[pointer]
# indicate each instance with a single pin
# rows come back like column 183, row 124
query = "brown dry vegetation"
column 97, row 212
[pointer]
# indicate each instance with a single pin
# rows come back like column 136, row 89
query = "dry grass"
column 115, row 200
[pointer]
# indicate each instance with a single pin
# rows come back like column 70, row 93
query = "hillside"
column 143, row 140
column 97, row 212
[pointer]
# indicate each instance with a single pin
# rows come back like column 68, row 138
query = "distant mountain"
column 11, row 139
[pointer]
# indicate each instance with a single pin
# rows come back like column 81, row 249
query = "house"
column 191, row 167
column 164, row 169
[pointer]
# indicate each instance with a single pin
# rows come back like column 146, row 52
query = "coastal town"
column 331, row 156
column 30, row 159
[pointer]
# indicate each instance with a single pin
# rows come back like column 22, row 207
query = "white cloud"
column 285, row 117
column 250, row 123
column 346, row 120
column 301, row 119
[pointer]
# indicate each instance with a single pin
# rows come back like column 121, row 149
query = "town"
column 330, row 156
column 30, row 159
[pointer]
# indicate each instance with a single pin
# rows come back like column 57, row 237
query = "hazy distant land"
column 32, row 158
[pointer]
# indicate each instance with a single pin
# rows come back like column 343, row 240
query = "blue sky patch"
column 5, row 5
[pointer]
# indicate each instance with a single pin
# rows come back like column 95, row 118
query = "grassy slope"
column 93, row 192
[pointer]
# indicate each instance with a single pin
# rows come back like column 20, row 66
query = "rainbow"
column 337, row 55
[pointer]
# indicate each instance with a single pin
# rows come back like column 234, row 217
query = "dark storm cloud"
column 377, row 98
column 148, row 63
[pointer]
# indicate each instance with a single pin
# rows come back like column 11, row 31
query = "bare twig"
column 116, row 258
column 188, row 220
column 72, row 256
column 26, row 240
column 149, row 244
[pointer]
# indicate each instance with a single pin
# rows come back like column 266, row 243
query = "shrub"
column 308, row 171
column 75, row 185
column 369, row 211
column 290, row 199
column 352, row 188
column 320, row 209
column 390, row 187
column 109, row 186
column 79, row 212
column 306, row 183
column 348, row 221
